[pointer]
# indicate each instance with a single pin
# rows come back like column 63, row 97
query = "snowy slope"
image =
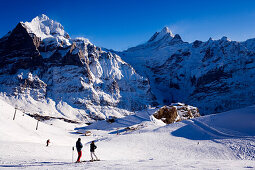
column 215, row 76
column 23, row 127
column 203, row 143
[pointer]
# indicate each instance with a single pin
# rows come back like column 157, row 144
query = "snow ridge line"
column 212, row 130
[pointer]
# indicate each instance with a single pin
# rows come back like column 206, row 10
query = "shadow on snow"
column 119, row 123
column 196, row 130
column 34, row 164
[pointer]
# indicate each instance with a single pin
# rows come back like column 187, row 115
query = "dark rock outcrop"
column 176, row 112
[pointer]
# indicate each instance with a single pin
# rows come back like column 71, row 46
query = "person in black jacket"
column 79, row 147
column 48, row 142
column 92, row 151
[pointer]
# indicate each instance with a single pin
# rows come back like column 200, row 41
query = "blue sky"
column 119, row 24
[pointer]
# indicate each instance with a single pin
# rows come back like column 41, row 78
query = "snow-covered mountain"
column 42, row 67
column 215, row 76
column 43, row 70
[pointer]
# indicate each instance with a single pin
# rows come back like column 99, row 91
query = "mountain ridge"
column 204, row 74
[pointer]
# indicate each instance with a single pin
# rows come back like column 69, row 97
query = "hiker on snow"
column 92, row 151
column 79, row 147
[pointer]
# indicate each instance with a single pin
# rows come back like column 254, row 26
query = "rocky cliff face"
column 19, row 51
column 215, row 76
column 43, row 66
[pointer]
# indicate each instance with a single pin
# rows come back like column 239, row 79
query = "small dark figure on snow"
column 47, row 142
column 92, row 151
column 79, row 147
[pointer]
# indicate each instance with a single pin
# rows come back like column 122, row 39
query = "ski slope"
column 221, row 141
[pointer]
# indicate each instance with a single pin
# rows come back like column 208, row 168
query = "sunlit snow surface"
column 222, row 141
column 48, row 30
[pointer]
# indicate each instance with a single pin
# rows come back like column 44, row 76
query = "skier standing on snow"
column 79, row 147
column 48, row 142
column 92, row 151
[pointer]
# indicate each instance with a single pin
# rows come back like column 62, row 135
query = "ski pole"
column 15, row 113
column 72, row 153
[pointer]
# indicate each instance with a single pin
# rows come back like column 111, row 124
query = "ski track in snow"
column 210, row 130
column 242, row 146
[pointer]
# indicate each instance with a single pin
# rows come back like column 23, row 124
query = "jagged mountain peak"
column 164, row 33
column 44, row 27
column 177, row 36
column 224, row 38
column 176, row 39
column 166, row 30
column 49, row 31
column 42, row 17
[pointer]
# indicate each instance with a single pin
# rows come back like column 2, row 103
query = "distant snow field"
column 222, row 141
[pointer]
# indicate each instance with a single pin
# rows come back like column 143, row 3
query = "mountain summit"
column 48, row 30
column 165, row 33
column 42, row 26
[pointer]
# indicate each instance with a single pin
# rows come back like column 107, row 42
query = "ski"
column 89, row 161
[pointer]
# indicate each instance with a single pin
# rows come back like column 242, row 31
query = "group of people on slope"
column 92, row 150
